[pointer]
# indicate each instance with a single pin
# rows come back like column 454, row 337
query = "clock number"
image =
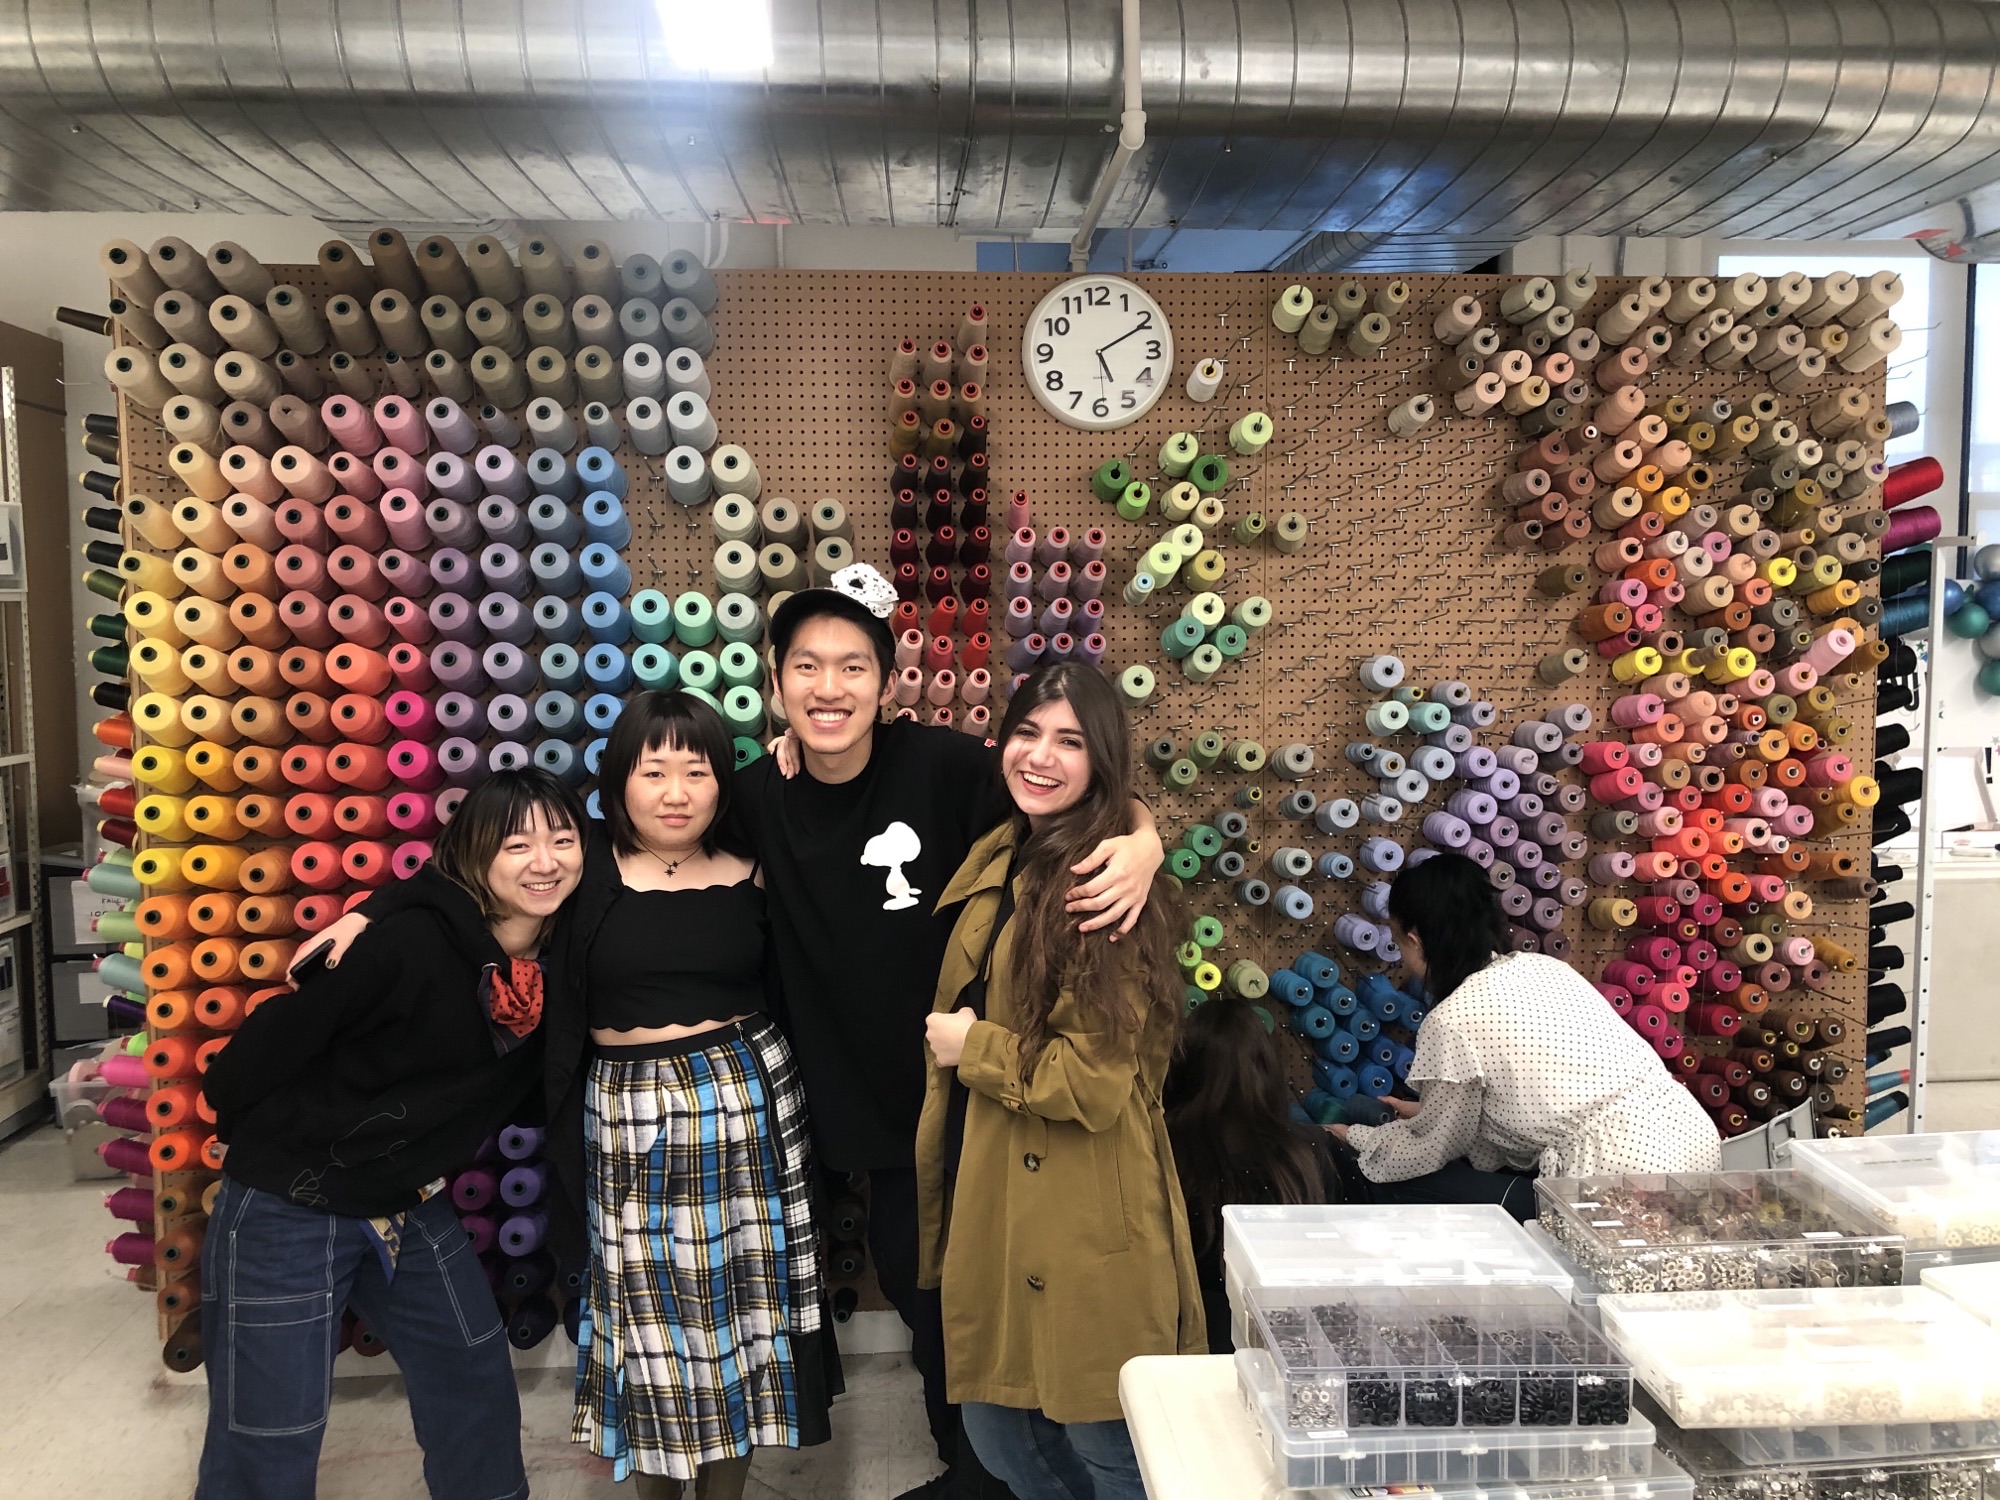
column 1100, row 407
column 1152, row 348
column 1127, row 400
column 1056, row 327
column 1044, row 353
column 1145, row 376
column 1100, row 296
column 1074, row 397
column 1054, row 380
column 1125, row 301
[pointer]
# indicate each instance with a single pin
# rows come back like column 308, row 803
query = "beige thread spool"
column 1316, row 333
column 782, row 521
column 404, row 376
column 1623, row 318
column 398, row 323
column 185, row 321
column 1693, row 296
column 829, row 518
column 903, row 361
column 1293, row 307
column 549, row 375
column 181, row 267
column 544, row 272
column 545, row 324
column 830, row 554
column 299, row 425
column 1831, row 339
column 598, row 375
column 1875, row 297
column 1731, row 350
column 1461, row 370
column 1876, row 342
column 1583, row 346
column 971, row 326
column 125, row 266
column 395, row 266
column 154, row 522
column 1797, row 374
column 1205, row 379
column 1511, row 365
column 444, row 325
column 1414, row 414
column 248, row 472
column 1555, row 324
column 1784, row 299
column 199, row 471
column 1777, row 344
column 351, row 377
column 1741, row 295
column 1391, row 297
column 138, row 323
column 1349, row 302
column 971, row 399
column 244, row 377
column 1838, row 411
column 734, row 473
column 345, row 271
column 1832, row 295
column 493, row 271
column 444, row 270
column 1481, row 396
column 298, row 322
column 1574, row 289
column 597, row 272
column 1526, row 396
column 448, row 377
column 189, row 419
column 242, row 325
column 596, row 322
column 238, row 272
column 245, row 423
column 1369, row 333
column 1527, row 300
column 301, row 376
column 191, row 372
column 499, row 379
column 352, row 329
column 495, row 327
column 734, row 519
column 1457, row 320
column 1778, row 437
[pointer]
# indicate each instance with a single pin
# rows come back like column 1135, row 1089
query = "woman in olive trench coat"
column 1063, row 1250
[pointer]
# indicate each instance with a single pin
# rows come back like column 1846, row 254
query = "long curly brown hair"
column 1049, row 953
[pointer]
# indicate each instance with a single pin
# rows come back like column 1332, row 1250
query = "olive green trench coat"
column 1064, row 1251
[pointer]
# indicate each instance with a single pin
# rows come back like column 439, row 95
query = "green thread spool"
column 1180, row 502
column 1250, row 527
column 1290, row 311
column 1559, row 666
column 1247, row 755
column 705, row 695
column 1208, row 931
column 1210, row 473
column 1193, row 998
column 694, row 620
column 1181, row 638
column 747, row 751
column 1204, row 840
column 1162, row 753
column 1207, row 749
column 1250, row 432
column 1183, row 864
column 1179, row 454
column 1134, row 498
column 112, row 661
column 1389, row 717
column 700, row 672
column 1109, row 482
column 1161, row 563
column 1253, row 614
column 1781, row 708
column 1408, row 694
column 743, row 709
column 652, row 617
column 1189, row 956
column 655, row 668
column 1208, row 978
column 1135, row 686
column 741, row 666
column 1248, row 797
column 1561, row 579
column 1201, row 664
column 1429, row 718
column 1204, row 570
column 104, row 585
column 737, row 618
column 1181, row 775
column 1186, row 539
column 1290, row 533
column 1205, row 607
column 1246, row 981
column 108, row 627
column 1231, row 640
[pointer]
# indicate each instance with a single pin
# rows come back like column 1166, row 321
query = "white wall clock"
column 1097, row 352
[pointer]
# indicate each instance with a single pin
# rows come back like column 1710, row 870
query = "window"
column 1982, row 454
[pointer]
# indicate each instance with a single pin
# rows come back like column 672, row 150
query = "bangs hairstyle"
column 501, row 806
column 673, row 720
column 1449, row 903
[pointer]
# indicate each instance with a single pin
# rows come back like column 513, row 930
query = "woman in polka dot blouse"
column 1523, row 1068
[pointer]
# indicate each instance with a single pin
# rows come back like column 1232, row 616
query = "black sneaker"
column 935, row 1488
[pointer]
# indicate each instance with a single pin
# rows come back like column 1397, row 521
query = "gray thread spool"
column 597, row 377
column 683, row 275
column 639, row 323
column 646, row 420
column 688, row 327
column 639, row 276
column 645, row 372
column 687, row 475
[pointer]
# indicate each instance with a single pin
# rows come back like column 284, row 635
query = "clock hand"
column 1102, row 365
column 1139, row 328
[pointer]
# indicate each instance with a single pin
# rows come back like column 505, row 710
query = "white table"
column 1194, row 1436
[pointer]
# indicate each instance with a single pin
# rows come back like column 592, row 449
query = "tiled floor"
column 89, row 1411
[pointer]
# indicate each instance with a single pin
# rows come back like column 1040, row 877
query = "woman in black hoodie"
column 344, row 1105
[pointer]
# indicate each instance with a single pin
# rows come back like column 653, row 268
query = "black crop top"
column 679, row 958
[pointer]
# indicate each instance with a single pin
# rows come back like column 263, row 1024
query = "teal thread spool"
column 1203, row 839
column 652, row 617
column 1183, row 864
column 1231, row 640
column 1182, row 637
column 694, row 620
column 701, row 673
column 655, row 668
column 741, row 666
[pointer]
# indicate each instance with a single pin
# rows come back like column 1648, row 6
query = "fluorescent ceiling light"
column 716, row 36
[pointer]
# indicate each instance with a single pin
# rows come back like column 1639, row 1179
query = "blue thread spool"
column 601, row 710
column 594, row 805
column 558, row 621
column 555, row 570
column 1374, row 1080
column 604, row 519
column 604, row 570
column 656, row 668
column 1315, row 1021
column 1337, row 998
column 1291, row 988
column 1364, row 1026
column 1335, row 866
column 1294, row 904
column 596, row 469
column 551, row 474
column 607, row 669
column 561, row 761
column 1401, row 1065
column 1382, row 1052
column 1336, row 1079
column 593, row 754
column 559, row 715
column 562, row 667
column 1340, row 1046
column 606, row 620
column 549, row 520
column 1316, row 969
column 652, row 616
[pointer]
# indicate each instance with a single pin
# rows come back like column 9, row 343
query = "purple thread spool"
column 522, row 1233
column 500, row 473
column 452, row 478
column 1020, row 581
column 403, row 514
column 1092, row 648
column 1447, row 830
column 452, row 524
column 453, row 618
column 1062, row 646
column 1473, row 806
column 459, row 759
column 1056, row 618
column 1055, row 583
column 462, row 715
column 503, row 521
column 508, row 667
column 524, row 1184
column 1020, row 618
column 1087, row 582
column 1522, row 762
column 509, row 717
column 504, row 570
column 451, row 425
column 506, row 618
column 472, row 1190
column 1089, row 616
column 480, row 1230
column 398, row 471
column 404, row 573
column 1026, row 651
column 1515, row 900
column 1021, row 546
column 519, row 1142
column 457, row 668
column 1523, row 806
column 1479, row 852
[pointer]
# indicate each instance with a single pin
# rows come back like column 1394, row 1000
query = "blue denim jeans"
column 1043, row 1460
column 274, row 1279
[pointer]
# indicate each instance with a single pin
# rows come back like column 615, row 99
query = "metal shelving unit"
column 24, row 1099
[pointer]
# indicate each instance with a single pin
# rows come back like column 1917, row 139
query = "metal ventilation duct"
column 1492, row 120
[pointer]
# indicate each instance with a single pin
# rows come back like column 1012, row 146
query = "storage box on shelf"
column 1718, row 1474
column 1940, row 1192
column 1841, row 1371
column 1651, row 1233
column 1342, row 1245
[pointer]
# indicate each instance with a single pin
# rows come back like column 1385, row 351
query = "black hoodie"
column 371, row 1080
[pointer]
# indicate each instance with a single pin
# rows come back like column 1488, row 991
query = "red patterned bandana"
column 514, row 1003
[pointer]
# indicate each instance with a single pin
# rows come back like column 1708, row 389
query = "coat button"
column 1032, row 1162
column 1035, row 1283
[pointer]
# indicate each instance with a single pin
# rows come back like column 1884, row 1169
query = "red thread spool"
column 1910, row 481
column 317, row 866
column 363, row 768
column 311, row 815
column 316, row 913
column 363, row 816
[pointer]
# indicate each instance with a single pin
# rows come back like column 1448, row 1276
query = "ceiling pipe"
column 1131, row 136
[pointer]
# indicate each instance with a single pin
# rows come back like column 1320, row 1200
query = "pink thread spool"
column 1021, row 546
column 909, row 686
column 1018, row 509
column 303, row 476
column 402, row 516
column 353, row 570
column 413, row 813
column 412, row 716
column 397, row 470
column 355, row 521
column 408, row 620
column 354, row 476
column 402, row 424
column 415, row 764
column 351, row 425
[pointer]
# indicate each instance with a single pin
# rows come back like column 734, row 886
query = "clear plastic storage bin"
column 1728, row 1230
column 1583, row 1293
column 1940, row 1192
column 1975, row 1287
column 1857, row 1357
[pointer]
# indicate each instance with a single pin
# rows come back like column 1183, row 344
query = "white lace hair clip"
column 867, row 587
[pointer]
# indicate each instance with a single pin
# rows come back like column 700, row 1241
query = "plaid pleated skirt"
column 705, row 1265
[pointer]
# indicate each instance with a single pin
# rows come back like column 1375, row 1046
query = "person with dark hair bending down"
column 1524, row 1068
column 1229, row 1113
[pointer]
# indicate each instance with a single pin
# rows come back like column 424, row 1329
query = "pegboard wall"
column 1364, row 543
